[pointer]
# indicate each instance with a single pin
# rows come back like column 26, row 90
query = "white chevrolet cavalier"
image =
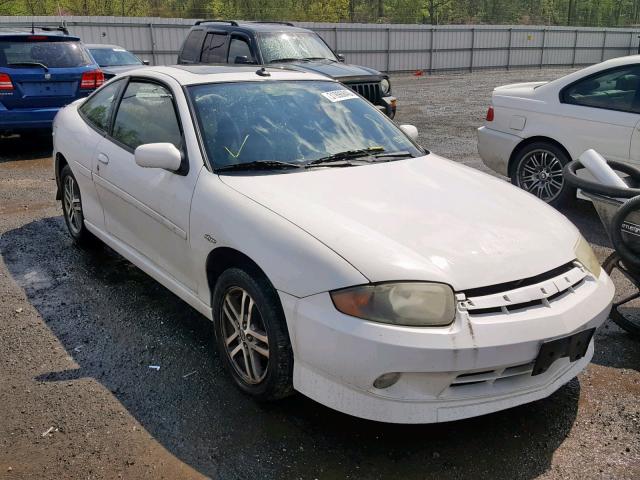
column 334, row 255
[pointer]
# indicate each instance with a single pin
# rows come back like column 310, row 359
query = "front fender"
column 294, row 261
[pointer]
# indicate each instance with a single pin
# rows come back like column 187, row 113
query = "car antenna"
column 263, row 72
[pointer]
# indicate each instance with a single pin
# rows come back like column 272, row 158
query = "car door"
column 635, row 145
column 597, row 112
column 147, row 208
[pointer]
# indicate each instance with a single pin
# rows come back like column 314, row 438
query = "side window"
column 239, row 47
column 613, row 90
column 146, row 115
column 215, row 48
column 97, row 109
column 192, row 45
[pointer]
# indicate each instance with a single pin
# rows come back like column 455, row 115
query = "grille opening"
column 502, row 287
column 370, row 91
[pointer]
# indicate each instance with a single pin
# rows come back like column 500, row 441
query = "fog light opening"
column 386, row 380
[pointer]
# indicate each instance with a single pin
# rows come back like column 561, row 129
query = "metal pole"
column 388, row 48
column 544, row 38
column 604, row 44
column 153, row 44
column 335, row 34
column 473, row 44
column 638, row 44
column 431, row 51
column 575, row 47
column 509, row 49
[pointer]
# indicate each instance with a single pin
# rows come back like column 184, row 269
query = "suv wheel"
column 251, row 334
column 538, row 170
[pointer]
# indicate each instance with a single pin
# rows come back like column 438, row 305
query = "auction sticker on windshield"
column 339, row 95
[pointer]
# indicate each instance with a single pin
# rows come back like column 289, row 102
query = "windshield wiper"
column 317, row 58
column 399, row 154
column 257, row 165
column 28, row 64
column 283, row 60
column 346, row 155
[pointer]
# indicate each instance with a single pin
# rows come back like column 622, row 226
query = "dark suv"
column 278, row 43
column 40, row 72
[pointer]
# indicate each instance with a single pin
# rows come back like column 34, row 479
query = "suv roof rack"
column 26, row 29
column 230, row 22
column 288, row 24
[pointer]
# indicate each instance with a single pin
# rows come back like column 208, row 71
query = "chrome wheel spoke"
column 541, row 175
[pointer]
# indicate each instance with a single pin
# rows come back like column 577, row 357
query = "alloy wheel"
column 72, row 205
column 540, row 173
column 245, row 338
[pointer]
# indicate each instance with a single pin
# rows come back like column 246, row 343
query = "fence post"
column 604, row 44
column 431, row 51
column 153, row 44
column 473, row 44
column 388, row 48
column 544, row 38
column 575, row 47
column 335, row 35
column 509, row 50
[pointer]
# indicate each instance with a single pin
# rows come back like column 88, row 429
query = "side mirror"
column 410, row 131
column 145, row 62
column 158, row 155
column 242, row 59
column 340, row 57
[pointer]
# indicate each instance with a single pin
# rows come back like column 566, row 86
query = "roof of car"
column 198, row 74
column 22, row 33
column 254, row 26
column 105, row 46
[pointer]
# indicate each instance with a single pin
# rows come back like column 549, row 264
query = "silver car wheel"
column 245, row 336
column 72, row 205
column 540, row 173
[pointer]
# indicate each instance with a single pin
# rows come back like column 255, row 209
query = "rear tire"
column 72, row 209
column 251, row 334
column 537, row 169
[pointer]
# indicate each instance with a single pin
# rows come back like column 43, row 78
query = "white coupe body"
column 594, row 108
column 517, row 283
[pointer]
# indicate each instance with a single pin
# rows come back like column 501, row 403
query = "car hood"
column 524, row 90
column 340, row 71
column 424, row 219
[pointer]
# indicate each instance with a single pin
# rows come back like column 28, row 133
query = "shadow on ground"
column 36, row 144
column 115, row 322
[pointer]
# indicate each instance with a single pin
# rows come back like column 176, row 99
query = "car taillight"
column 92, row 79
column 5, row 82
column 490, row 114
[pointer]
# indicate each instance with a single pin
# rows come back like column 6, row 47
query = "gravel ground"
column 80, row 328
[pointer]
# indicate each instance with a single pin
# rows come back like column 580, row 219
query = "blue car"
column 39, row 74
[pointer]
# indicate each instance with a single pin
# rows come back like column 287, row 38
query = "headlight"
column 586, row 257
column 385, row 86
column 413, row 304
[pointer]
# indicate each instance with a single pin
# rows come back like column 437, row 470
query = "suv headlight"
column 414, row 304
column 385, row 85
column 586, row 257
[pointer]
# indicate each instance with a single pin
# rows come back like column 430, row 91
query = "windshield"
column 111, row 57
column 289, row 46
column 50, row 54
column 295, row 122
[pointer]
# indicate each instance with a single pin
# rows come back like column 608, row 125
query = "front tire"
column 537, row 169
column 72, row 209
column 251, row 334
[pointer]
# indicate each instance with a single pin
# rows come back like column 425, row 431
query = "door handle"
column 102, row 158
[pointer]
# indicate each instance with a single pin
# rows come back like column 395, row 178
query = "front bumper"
column 479, row 364
column 495, row 149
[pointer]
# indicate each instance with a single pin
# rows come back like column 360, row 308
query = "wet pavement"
column 79, row 330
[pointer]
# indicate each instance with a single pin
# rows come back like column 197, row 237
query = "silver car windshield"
column 290, row 121
column 290, row 46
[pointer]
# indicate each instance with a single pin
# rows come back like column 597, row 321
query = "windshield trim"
column 196, row 122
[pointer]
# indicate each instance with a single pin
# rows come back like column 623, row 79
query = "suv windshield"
column 287, row 46
column 54, row 54
column 112, row 57
column 295, row 122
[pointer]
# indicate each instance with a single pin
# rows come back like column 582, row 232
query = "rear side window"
column 146, row 115
column 215, row 48
column 51, row 54
column 192, row 46
column 617, row 89
column 97, row 109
